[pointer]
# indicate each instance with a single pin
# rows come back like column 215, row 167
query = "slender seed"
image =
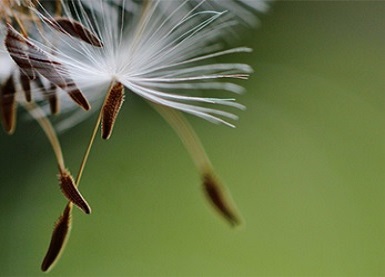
column 111, row 108
column 71, row 191
column 53, row 99
column 59, row 239
column 213, row 189
column 31, row 58
column 18, row 49
column 8, row 105
column 74, row 29
column 217, row 196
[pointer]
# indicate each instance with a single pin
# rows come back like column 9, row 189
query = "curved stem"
column 188, row 136
column 39, row 115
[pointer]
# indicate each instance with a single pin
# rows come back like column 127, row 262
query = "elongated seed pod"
column 111, row 108
column 8, row 105
column 59, row 238
column 53, row 99
column 18, row 49
column 75, row 29
column 31, row 58
column 218, row 198
column 69, row 189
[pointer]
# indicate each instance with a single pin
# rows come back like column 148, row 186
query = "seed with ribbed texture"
column 58, row 239
column 75, row 29
column 69, row 189
column 111, row 108
column 31, row 58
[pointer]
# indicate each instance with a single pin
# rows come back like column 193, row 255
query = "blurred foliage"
column 305, row 165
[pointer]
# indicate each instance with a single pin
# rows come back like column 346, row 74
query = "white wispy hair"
column 239, row 10
column 163, row 57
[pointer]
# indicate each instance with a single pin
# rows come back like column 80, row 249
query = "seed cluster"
column 37, row 74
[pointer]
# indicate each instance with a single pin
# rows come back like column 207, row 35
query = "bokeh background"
column 306, row 166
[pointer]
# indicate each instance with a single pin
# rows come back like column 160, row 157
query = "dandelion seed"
column 74, row 29
column 70, row 190
column 59, row 239
column 8, row 105
column 111, row 107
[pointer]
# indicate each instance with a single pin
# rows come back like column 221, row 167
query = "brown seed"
column 217, row 198
column 53, row 100
column 111, row 108
column 58, row 239
column 75, row 29
column 25, row 54
column 18, row 47
column 49, row 94
column 70, row 190
column 79, row 98
column 8, row 105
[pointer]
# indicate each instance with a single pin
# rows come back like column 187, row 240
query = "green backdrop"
column 306, row 166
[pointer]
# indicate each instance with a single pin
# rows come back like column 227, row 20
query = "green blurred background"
column 306, row 166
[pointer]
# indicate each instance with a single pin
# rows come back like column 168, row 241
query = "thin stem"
column 88, row 150
column 214, row 190
column 19, row 22
column 58, row 8
column 58, row 244
column 92, row 139
column 188, row 136
column 39, row 115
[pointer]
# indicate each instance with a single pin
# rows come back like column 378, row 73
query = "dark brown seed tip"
column 58, row 239
column 111, row 108
column 53, row 99
column 80, row 99
column 71, row 192
column 8, row 105
column 18, row 49
column 218, row 199
column 75, row 29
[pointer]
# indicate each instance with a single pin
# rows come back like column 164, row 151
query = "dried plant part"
column 218, row 198
column 26, row 86
column 17, row 47
column 111, row 108
column 74, row 29
column 213, row 189
column 29, row 57
column 53, row 99
column 56, row 74
column 70, row 190
column 49, row 94
column 8, row 105
column 59, row 238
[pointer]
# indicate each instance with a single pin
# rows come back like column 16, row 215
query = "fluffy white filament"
column 160, row 50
